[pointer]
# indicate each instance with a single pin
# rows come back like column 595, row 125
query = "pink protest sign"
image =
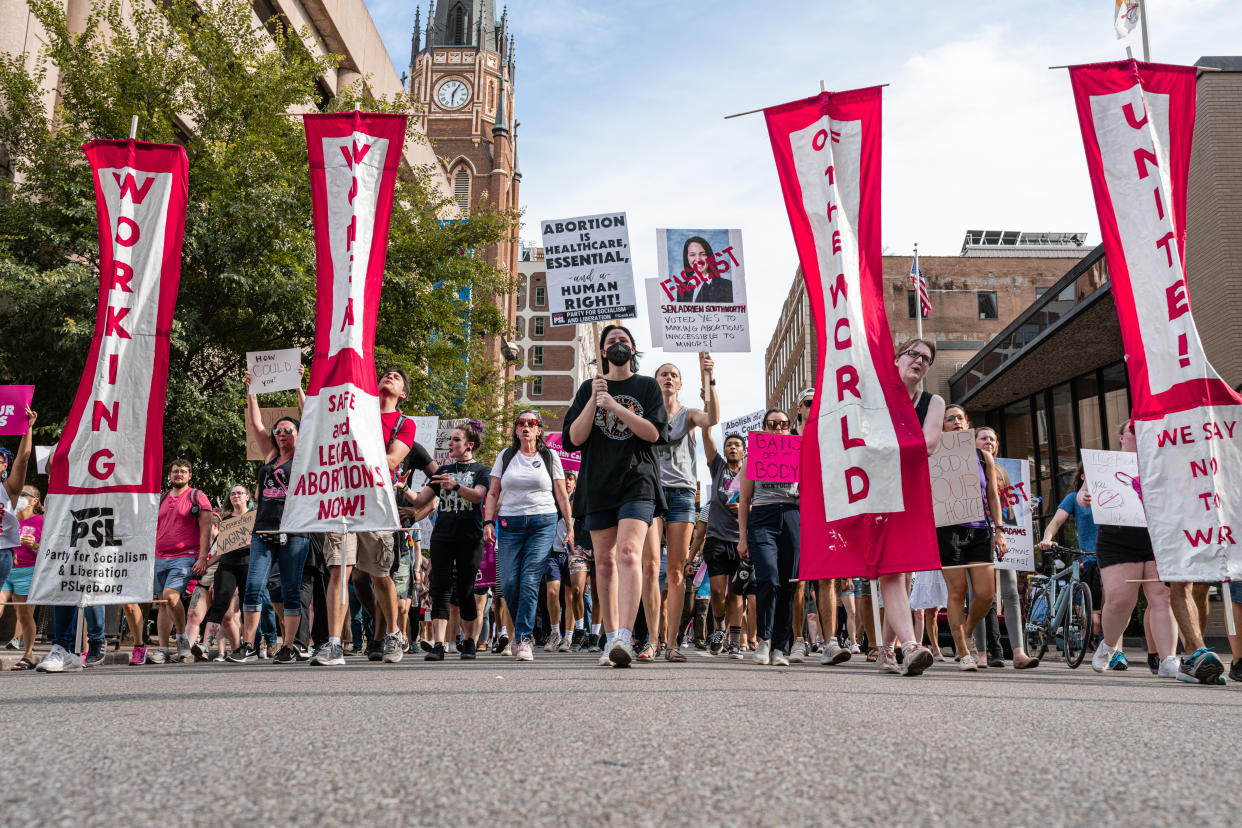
column 570, row 460
column 485, row 578
column 14, row 400
column 773, row 458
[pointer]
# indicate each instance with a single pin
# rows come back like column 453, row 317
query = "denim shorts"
column 680, row 505
column 18, row 582
column 1235, row 591
column 643, row 510
column 172, row 573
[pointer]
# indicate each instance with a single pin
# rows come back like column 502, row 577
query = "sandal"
column 646, row 653
column 872, row 654
column 671, row 654
column 24, row 664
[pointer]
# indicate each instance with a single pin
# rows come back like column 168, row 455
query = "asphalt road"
column 708, row 742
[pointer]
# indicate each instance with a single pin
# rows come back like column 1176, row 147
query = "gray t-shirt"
column 721, row 523
column 768, row 494
column 676, row 459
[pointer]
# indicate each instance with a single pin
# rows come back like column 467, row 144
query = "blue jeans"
column 773, row 534
column 6, row 564
column 292, row 559
column 267, row 622
column 65, row 625
column 523, row 544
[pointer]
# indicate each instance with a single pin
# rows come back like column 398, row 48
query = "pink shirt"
column 176, row 533
column 32, row 527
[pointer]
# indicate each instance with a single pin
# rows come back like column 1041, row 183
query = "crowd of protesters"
column 626, row 559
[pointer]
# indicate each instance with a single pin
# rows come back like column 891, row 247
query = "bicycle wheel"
column 1076, row 628
column 1037, row 623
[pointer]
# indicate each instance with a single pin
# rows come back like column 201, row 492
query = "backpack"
column 195, row 506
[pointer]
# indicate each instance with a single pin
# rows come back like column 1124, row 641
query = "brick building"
column 973, row 297
column 554, row 359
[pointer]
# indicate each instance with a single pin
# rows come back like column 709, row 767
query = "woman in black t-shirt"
column 457, row 541
column 614, row 420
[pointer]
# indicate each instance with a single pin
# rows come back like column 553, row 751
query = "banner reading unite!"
column 98, row 542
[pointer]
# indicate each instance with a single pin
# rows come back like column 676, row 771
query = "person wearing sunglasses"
column 527, row 492
column 615, row 420
column 267, row 542
column 769, row 530
column 679, row 478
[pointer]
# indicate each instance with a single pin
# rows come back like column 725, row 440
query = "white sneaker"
column 604, row 660
column 554, row 641
column 525, row 651
column 834, row 653
column 60, row 660
column 854, row 650
column 798, row 654
column 566, row 640
column 1168, row 667
column 763, row 653
column 968, row 664
column 779, row 659
column 915, row 659
column 1103, row 654
column 621, row 653
column 886, row 660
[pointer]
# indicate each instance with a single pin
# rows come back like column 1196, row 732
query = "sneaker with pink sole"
column 139, row 656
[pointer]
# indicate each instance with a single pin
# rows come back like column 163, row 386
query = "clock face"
column 452, row 94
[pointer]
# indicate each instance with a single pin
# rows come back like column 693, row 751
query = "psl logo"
column 93, row 525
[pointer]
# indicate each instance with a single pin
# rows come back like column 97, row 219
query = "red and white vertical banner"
column 340, row 478
column 98, row 543
column 865, row 506
column 1137, row 122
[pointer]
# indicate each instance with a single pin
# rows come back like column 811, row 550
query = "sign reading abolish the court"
column 956, row 494
column 773, row 458
column 234, row 533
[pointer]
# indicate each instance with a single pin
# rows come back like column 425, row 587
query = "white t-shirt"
column 526, row 488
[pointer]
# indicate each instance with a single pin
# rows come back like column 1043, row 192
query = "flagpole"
column 918, row 314
column 1143, row 25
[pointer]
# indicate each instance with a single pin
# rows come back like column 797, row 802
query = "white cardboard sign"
column 274, row 370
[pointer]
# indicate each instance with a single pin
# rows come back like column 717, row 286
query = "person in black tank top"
column 267, row 542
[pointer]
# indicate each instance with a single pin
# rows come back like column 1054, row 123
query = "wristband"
column 491, row 523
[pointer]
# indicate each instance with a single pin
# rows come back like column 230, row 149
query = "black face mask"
column 619, row 353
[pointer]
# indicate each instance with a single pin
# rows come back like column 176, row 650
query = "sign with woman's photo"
column 1015, row 497
column 698, row 302
column 590, row 278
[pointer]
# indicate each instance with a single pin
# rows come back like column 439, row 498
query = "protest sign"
column 590, row 277
column 98, row 543
column 444, row 430
column 14, row 400
column 485, row 578
column 274, row 370
column 741, row 425
column 259, row 451
column 698, row 302
column 340, row 480
column 570, row 460
column 234, row 533
column 425, row 432
column 42, row 453
column 954, row 466
column 1015, row 498
column 773, row 458
column 1113, row 481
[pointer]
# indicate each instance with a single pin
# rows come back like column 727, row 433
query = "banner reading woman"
column 1137, row 122
column 865, row 505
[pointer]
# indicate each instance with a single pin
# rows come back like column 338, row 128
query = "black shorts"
column 1123, row 544
column 721, row 557
column 964, row 545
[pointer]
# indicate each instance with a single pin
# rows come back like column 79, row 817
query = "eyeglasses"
column 528, row 421
column 919, row 356
column 280, row 432
column 779, row 425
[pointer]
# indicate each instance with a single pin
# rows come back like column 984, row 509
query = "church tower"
column 461, row 76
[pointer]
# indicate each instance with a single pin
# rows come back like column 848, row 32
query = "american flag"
column 920, row 284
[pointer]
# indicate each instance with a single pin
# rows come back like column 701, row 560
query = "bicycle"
column 1060, row 613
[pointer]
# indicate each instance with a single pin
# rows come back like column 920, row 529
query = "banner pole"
column 1230, row 626
column 875, row 613
column 133, row 127
column 344, row 596
column 80, row 638
column 1143, row 26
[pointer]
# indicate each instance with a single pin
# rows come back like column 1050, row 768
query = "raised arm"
column 17, row 472
column 254, row 421
column 709, row 444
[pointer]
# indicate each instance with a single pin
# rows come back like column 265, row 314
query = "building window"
column 536, row 355
column 912, row 304
column 988, row 307
column 541, row 296
column 536, row 387
column 537, row 326
column 461, row 190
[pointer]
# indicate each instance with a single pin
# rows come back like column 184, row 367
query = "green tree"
column 200, row 75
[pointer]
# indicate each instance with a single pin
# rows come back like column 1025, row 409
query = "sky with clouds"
column 621, row 104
